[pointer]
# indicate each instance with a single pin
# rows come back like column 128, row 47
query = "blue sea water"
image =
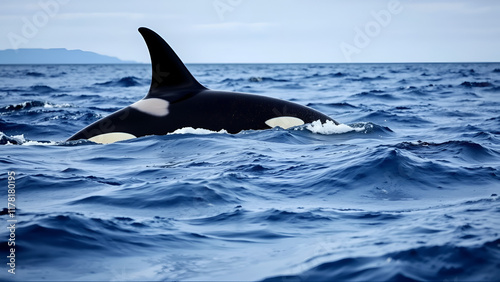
column 406, row 189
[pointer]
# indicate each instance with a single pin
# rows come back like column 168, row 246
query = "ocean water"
column 405, row 189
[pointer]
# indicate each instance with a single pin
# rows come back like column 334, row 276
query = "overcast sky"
column 262, row 31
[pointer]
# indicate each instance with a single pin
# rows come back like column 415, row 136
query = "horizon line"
column 267, row 63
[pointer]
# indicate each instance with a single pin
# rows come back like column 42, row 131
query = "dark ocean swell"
column 419, row 264
column 405, row 188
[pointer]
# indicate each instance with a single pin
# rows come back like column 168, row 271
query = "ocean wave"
column 77, row 232
column 22, row 106
column 289, row 86
column 376, row 94
column 466, row 151
column 304, row 218
column 128, row 81
column 367, row 79
column 495, row 125
column 271, row 216
column 232, row 81
column 34, row 74
column 476, row 84
column 266, row 79
column 20, row 140
column 494, row 89
column 33, row 104
column 197, row 131
column 322, row 202
column 415, row 167
column 385, row 116
column 386, row 172
column 11, row 140
column 440, row 262
column 8, row 90
column 342, row 105
column 186, row 194
column 329, row 127
column 42, row 89
column 58, row 74
column 483, row 136
column 328, row 75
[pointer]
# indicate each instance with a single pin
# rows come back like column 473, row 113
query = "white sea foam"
column 20, row 140
column 50, row 105
column 33, row 104
column 329, row 127
column 17, row 139
column 197, row 131
column 43, row 143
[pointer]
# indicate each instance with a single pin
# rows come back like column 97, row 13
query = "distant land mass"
column 56, row 56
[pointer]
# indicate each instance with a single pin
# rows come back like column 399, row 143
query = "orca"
column 177, row 100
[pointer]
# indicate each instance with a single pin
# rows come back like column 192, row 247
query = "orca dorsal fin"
column 168, row 71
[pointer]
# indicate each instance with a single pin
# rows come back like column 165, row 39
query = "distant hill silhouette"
column 56, row 56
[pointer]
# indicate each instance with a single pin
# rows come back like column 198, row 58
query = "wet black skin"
column 193, row 105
